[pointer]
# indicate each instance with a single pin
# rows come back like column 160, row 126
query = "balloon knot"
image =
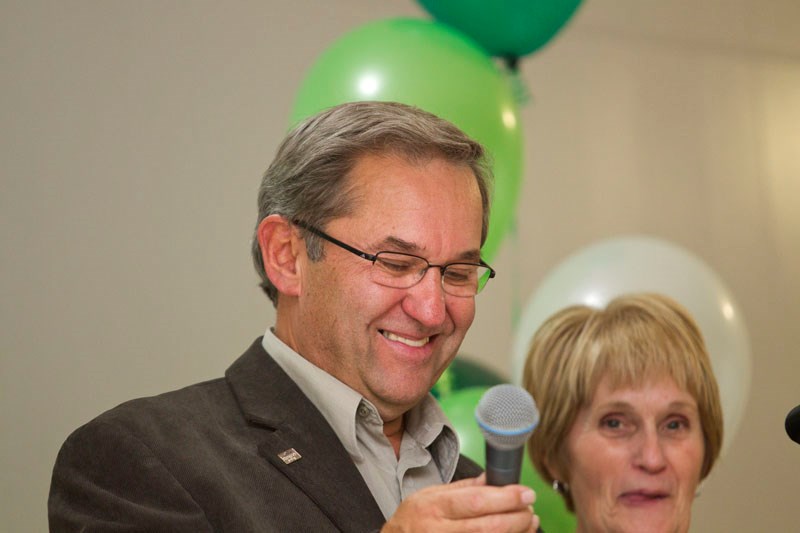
column 512, row 62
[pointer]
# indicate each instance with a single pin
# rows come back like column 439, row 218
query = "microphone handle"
column 503, row 467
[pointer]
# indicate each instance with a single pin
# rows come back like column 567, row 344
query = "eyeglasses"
column 401, row 271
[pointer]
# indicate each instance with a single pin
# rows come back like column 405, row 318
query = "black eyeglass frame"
column 374, row 257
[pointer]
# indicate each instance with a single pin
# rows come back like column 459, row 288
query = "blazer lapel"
column 302, row 445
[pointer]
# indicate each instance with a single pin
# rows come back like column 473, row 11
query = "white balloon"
column 596, row 274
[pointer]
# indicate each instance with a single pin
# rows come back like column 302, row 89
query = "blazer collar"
column 321, row 468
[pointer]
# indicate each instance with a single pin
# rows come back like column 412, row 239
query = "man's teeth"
column 409, row 342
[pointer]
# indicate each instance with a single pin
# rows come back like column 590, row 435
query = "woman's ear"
column 554, row 471
column 280, row 252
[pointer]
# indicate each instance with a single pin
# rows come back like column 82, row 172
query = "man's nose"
column 425, row 301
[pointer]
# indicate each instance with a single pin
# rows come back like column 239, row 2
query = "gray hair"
column 308, row 179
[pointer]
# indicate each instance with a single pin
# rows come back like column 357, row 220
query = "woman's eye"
column 611, row 423
column 677, row 424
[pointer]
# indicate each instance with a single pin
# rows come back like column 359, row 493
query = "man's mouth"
column 414, row 343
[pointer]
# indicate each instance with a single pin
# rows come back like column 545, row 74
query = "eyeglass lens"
column 402, row 271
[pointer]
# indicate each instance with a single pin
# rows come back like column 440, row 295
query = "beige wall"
column 134, row 135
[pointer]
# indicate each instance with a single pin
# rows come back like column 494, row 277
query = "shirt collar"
column 426, row 422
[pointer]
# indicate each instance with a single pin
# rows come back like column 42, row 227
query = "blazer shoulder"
column 183, row 405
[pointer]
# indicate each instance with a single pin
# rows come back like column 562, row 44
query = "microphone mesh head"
column 507, row 416
column 793, row 424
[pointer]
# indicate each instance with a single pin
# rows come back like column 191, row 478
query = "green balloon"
column 550, row 506
column 459, row 406
column 436, row 68
column 464, row 373
column 505, row 28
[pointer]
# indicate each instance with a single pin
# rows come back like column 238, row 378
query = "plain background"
column 134, row 135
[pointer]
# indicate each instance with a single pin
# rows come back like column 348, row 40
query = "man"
column 371, row 219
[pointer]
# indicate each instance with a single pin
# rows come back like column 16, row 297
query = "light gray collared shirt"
column 429, row 449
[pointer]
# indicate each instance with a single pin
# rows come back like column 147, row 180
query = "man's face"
column 390, row 344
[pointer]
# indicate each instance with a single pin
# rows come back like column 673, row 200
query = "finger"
column 522, row 521
column 535, row 523
column 467, row 482
column 475, row 501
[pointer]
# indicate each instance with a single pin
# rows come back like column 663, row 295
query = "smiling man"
column 371, row 220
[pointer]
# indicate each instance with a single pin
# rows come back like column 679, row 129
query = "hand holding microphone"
column 506, row 415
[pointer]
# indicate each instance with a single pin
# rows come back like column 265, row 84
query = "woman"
column 631, row 420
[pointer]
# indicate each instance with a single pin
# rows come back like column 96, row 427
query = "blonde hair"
column 635, row 338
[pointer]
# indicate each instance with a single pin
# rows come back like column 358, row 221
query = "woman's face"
column 635, row 458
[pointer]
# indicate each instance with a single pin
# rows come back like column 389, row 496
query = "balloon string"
column 521, row 97
column 516, row 306
column 519, row 89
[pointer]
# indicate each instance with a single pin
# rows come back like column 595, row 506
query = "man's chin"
column 396, row 402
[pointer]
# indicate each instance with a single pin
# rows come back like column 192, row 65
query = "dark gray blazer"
column 208, row 458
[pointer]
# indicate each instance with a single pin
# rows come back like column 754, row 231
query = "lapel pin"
column 289, row 456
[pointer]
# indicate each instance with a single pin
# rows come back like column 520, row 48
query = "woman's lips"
column 643, row 497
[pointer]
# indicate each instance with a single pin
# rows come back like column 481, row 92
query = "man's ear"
column 280, row 251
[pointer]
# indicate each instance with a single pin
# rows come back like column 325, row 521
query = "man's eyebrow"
column 472, row 256
column 392, row 243
column 400, row 245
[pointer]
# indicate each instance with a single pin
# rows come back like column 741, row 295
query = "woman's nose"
column 650, row 452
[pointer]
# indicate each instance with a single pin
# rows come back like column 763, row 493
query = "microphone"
column 507, row 416
column 793, row 424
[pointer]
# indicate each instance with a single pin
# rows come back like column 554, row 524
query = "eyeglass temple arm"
column 337, row 242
